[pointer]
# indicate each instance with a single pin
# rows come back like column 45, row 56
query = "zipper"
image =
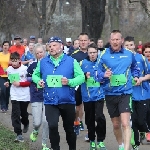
column 88, row 91
column 127, row 73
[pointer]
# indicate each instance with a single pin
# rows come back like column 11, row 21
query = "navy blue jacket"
column 36, row 94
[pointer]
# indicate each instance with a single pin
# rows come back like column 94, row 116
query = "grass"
column 7, row 140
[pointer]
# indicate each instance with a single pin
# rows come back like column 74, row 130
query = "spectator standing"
column 68, row 45
column 4, row 63
column 17, row 47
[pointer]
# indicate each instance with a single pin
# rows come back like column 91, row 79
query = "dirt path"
column 110, row 141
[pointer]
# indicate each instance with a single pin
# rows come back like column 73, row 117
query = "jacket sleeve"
column 134, row 68
column 146, row 65
column 23, row 57
column 100, row 71
column 36, row 74
column 79, row 77
column 24, row 84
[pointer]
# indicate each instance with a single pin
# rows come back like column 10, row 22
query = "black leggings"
column 67, row 112
column 94, row 112
column 139, row 119
column 5, row 93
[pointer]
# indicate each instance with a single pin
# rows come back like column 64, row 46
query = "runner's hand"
column 64, row 81
column 138, row 81
column 88, row 75
column 30, row 60
column 108, row 73
column 41, row 83
column 6, row 84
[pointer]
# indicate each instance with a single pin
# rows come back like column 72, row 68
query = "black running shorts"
column 117, row 104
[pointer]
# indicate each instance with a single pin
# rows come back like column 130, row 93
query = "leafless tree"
column 93, row 17
column 45, row 16
column 11, row 17
column 143, row 4
column 113, row 9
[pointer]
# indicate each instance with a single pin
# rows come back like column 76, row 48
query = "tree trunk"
column 43, row 20
column 93, row 17
column 114, row 14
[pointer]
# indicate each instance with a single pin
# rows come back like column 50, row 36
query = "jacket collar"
column 112, row 51
column 88, row 59
column 62, row 59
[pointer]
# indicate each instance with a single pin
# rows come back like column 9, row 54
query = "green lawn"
column 7, row 140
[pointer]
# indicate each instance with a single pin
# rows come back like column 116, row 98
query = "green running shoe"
column 45, row 147
column 101, row 146
column 135, row 147
column 33, row 135
column 92, row 145
column 121, row 148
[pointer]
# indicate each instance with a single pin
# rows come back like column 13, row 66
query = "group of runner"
column 58, row 84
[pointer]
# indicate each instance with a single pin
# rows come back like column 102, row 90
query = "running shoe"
column 19, row 138
column 44, row 147
column 135, row 147
column 87, row 138
column 34, row 135
column 142, row 137
column 3, row 110
column 121, row 148
column 81, row 126
column 92, row 146
column 101, row 146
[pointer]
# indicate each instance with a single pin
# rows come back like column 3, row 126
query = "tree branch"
column 2, row 14
column 35, row 8
column 50, row 15
column 143, row 5
column 133, row 1
column 145, row 8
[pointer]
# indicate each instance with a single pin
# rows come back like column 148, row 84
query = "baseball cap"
column 32, row 37
column 17, row 37
column 55, row 39
column 68, row 40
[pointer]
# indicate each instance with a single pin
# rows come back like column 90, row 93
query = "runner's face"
column 129, row 45
column 6, row 47
column 76, row 44
column 116, row 41
column 31, row 46
column 147, row 53
column 25, row 42
column 92, row 53
column 39, row 53
column 15, row 62
column 68, row 43
column 100, row 43
column 18, row 41
column 83, row 42
column 55, row 48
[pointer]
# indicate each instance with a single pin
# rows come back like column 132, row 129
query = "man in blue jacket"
column 118, row 88
column 58, row 74
column 140, row 98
